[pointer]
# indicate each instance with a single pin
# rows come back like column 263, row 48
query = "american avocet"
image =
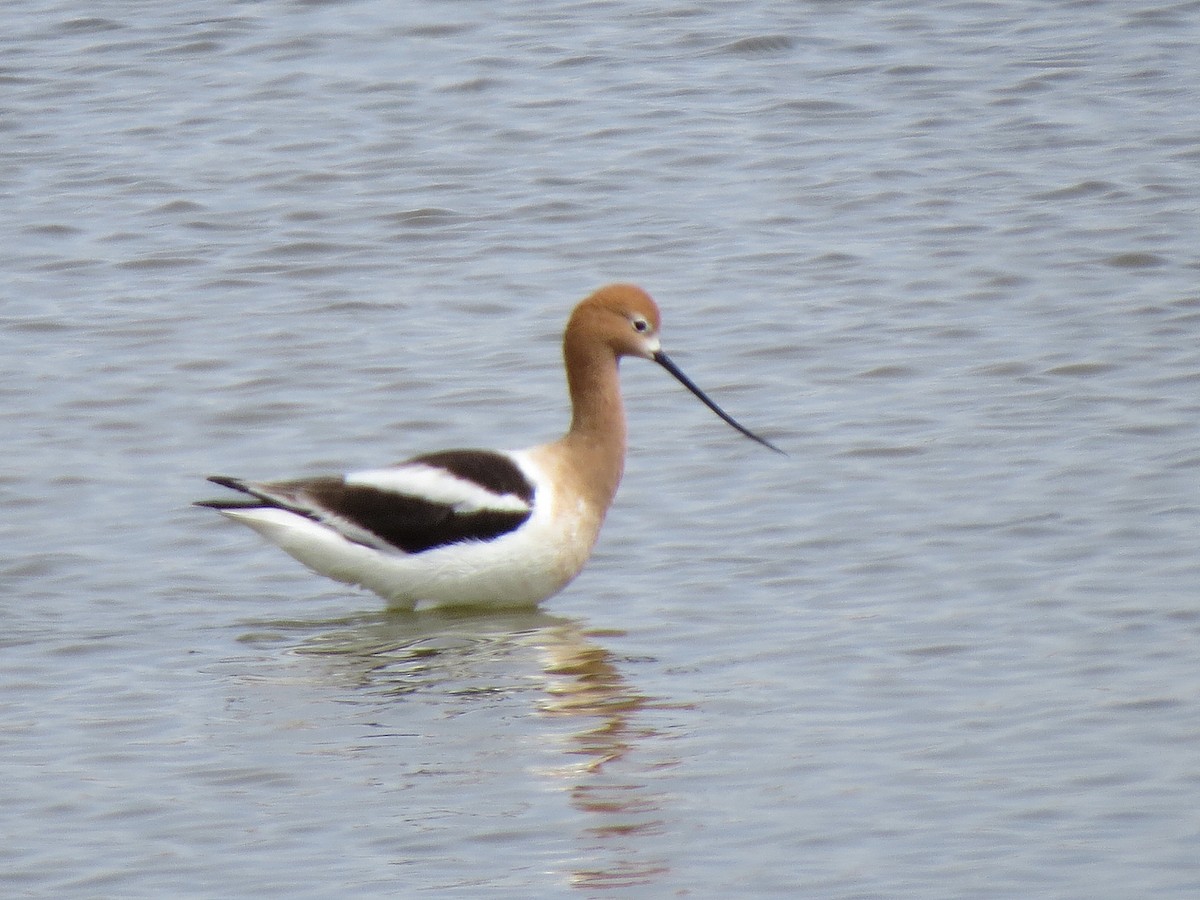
column 478, row 527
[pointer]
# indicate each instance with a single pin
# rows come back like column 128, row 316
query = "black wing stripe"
column 409, row 523
column 493, row 471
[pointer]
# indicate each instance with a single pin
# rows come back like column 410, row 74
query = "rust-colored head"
column 621, row 317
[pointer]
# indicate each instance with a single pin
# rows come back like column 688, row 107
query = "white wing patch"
column 437, row 486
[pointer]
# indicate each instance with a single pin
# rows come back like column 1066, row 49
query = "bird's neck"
column 596, row 439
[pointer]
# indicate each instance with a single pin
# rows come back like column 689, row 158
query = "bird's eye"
column 641, row 326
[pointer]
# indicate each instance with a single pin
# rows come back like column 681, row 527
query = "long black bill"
column 665, row 361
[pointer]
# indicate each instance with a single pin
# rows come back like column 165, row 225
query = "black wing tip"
column 235, row 484
column 229, row 504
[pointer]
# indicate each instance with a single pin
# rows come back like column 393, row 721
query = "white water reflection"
column 556, row 668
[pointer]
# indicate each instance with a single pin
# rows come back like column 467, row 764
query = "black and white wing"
column 427, row 502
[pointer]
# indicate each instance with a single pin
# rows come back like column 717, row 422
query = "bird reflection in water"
column 584, row 683
column 461, row 657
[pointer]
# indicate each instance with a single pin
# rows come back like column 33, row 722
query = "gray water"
column 946, row 254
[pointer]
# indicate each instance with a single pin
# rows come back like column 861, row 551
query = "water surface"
column 946, row 256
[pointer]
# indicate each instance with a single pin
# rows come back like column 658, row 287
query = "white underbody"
column 517, row 569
